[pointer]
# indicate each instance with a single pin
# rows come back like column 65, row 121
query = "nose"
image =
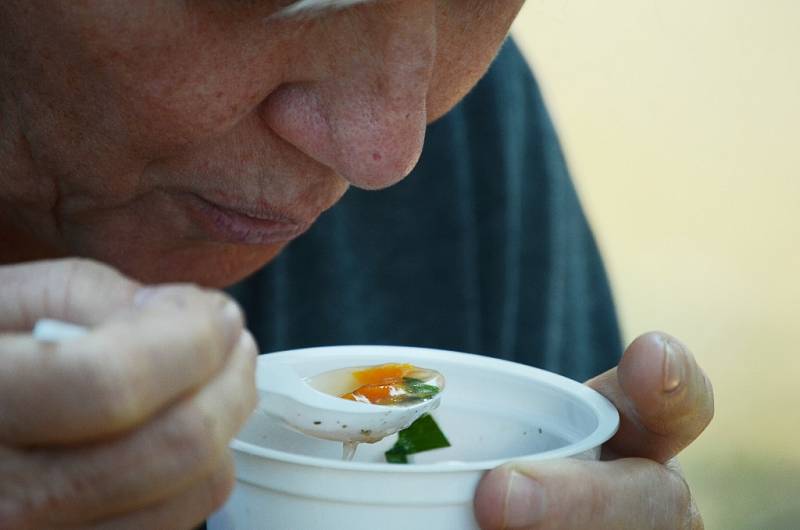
column 364, row 115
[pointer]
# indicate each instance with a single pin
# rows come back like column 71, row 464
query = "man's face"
column 192, row 139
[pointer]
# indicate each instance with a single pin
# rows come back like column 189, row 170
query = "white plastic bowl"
column 492, row 411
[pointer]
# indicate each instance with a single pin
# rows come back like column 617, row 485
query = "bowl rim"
column 606, row 414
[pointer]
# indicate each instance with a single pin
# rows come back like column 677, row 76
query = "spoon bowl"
column 291, row 398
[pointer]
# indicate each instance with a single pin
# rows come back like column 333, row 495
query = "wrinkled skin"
column 116, row 115
column 191, row 140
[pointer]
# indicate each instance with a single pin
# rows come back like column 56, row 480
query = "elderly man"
column 191, row 141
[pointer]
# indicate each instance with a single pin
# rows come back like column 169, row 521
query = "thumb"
column 627, row 494
column 74, row 290
column 664, row 398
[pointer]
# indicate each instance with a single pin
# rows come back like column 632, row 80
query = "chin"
column 210, row 265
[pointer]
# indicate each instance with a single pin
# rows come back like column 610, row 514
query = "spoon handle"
column 50, row 330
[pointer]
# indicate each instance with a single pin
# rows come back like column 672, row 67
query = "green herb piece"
column 422, row 435
column 394, row 456
column 419, row 389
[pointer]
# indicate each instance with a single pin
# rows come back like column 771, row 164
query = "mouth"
column 249, row 223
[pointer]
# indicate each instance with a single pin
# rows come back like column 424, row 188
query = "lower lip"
column 231, row 226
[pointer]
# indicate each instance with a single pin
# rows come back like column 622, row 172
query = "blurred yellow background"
column 681, row 121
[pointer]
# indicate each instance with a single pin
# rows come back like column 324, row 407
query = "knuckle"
column 80, row 277
column 194, row 437
column 184, row 295
column 192, row 293
column 45, row 494
column 204, row 341
column 111, row 394
column 217, row 299
column 175, row 296
column 210, row 321
column 73, row 272
column 64, row 497
column 215, row 326
column 85, row 274
column 210, row 343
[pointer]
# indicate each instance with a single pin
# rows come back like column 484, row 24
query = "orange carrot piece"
column 383, row 374
column 375, row 393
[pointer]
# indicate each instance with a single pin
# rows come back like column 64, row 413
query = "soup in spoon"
column 390, row 385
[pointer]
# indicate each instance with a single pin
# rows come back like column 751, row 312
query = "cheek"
column 174, row 73
column 469, row 35
column 183, row 98
column 134, row 90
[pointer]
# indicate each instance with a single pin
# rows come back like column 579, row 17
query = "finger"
column 182, row 512
column 664, row 398
column 695, row 518
column 120, row 373
column 75, row 290
column 146, row 467
column 627, row 494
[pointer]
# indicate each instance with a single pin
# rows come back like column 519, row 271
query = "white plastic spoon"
column 293, row 400
column 48, row 330
column 296, row 401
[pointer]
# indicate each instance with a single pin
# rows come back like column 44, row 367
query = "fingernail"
column 525, row 502
column 674, row 365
